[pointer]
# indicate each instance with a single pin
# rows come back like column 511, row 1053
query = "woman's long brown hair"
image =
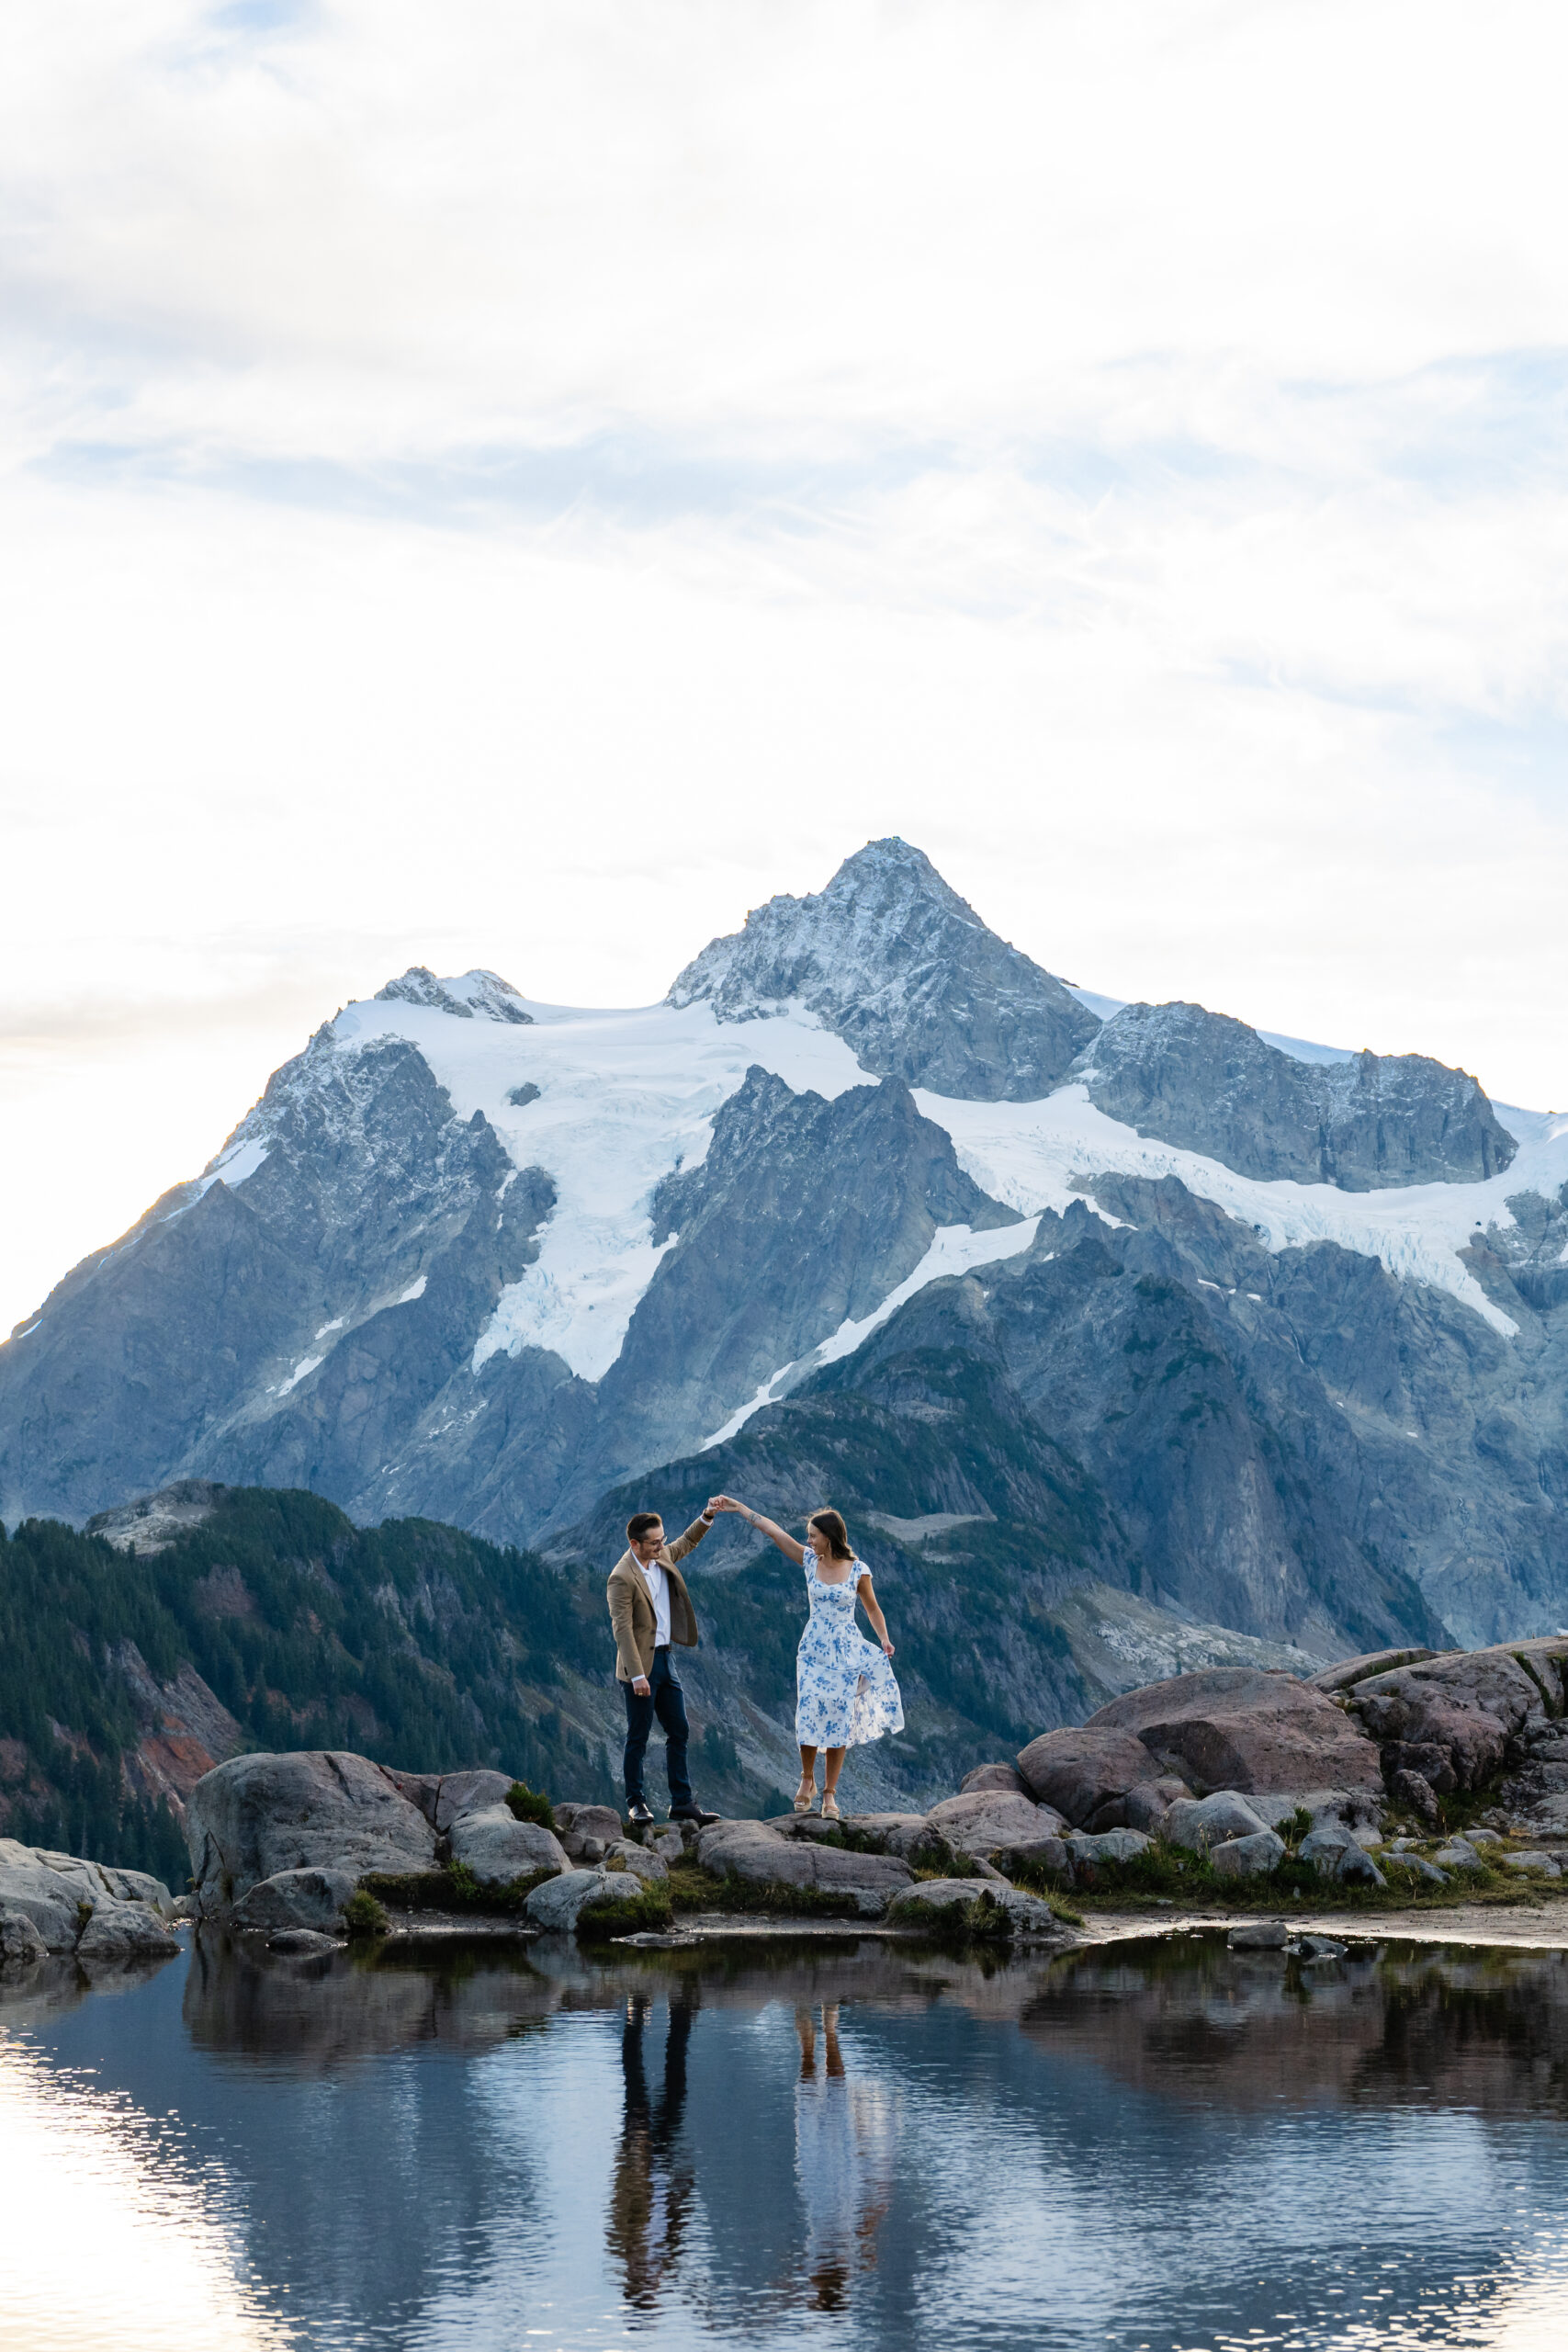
column 833, row 1528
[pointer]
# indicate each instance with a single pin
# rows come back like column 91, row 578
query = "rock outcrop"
column 260, row 1815
column 759, row 1855
column 901, row 967
column 1210, row 1084
column 61, row 1902
column 1236, row 1728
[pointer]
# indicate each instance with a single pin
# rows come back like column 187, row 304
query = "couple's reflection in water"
column 845, row 2138
column 650, row 2196
column 845, row 2146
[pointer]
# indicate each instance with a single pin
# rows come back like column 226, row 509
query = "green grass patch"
column 363, row 1917
column 692, row 1888
column 1173, row 1874
column 651, row 1908
column 453, row 1889
column 527, row 1805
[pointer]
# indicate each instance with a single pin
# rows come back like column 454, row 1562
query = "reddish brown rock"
column 1237, row 1727
column 1468, row 1704
column 1080, row 1771
column 993, row 1776
column 984, row 1819
column 1348, row 1670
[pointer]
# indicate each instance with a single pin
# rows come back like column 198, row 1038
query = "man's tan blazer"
column 631, row 1605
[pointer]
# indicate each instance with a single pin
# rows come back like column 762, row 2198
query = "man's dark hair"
column 639, row 1523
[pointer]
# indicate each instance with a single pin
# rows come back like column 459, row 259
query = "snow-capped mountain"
column 481, row 1258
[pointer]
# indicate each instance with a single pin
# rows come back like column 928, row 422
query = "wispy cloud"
column 463, row 470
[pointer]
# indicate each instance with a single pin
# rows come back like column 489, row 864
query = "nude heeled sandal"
column 805, row 1803
column 830, row 1808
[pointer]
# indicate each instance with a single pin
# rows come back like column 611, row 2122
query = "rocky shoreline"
column 1437, row 1782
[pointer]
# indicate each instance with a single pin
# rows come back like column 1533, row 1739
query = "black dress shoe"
column 693, row 1813
column 640, row 1815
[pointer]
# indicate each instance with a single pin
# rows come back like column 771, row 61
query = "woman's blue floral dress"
column 846, row 1693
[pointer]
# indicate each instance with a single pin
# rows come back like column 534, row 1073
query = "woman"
column 845, row 1693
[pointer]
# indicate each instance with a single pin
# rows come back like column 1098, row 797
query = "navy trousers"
column 666, row 1701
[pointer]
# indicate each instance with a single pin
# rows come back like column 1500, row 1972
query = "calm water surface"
column 1158, row 2145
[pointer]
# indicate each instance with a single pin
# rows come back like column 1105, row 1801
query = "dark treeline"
column 411, row 1642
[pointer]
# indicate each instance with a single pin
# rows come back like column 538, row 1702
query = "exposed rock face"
column 485, row 994
column 1461, row 1712
column 124, row 1932
column 1210, row 1084
column 61, row 1894
column 750, row 1850
column 259, row 1814
column 994, row 1776
column 985, row 1820
column 1202, row 1824
column 20, row 1942
column 323, row 1304
column 558, row 1905
column 855, row 1187
column 308, row 1898
column 498, row 1848
column 1027, row 1916
column 905, row 971
column 587, row 1831
column 1082, row 1771
column 1237, row 1729
column 1252, row 1857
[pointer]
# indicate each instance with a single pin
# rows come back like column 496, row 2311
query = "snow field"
column 628, row 1097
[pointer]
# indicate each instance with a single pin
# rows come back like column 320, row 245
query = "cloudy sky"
column 517, row 484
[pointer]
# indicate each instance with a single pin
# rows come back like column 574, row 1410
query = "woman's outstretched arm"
column 768, row 1527
column 873, row 1611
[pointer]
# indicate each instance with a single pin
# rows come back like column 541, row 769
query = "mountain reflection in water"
column 1154, row 2144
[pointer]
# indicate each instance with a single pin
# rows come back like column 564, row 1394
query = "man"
column 650, row 1611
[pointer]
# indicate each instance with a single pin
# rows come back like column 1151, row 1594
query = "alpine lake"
column 834, row 2140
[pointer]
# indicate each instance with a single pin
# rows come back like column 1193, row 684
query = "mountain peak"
column 904, row 970
column 481, row 992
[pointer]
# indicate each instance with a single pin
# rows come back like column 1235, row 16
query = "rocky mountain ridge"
column 476, row 1259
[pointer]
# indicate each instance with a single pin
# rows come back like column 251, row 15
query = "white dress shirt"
column 658, row 1590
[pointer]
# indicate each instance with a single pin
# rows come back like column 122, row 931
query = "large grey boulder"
column 1252, row 1857
column 57, row 1891
column 306, row 1898
column 636, row 1861
column 751, row 1851
column 1088, row 1852
column 124, row 1932
column 985, row 1820
column 20, row 1942
column 1260, row 1935
column 1544, row 1865
column 316, row 1808
column 497, row 1847
column 1247, row 1729
column 463, row 1792
column 1335, row 1852
column 558, row 1903
column 1080, row 1771
column 1201, row 1823
column 586, row 1830
column 938, row 1901
column 1459, row 1854
column 898, row 1832
column 993, row 1776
